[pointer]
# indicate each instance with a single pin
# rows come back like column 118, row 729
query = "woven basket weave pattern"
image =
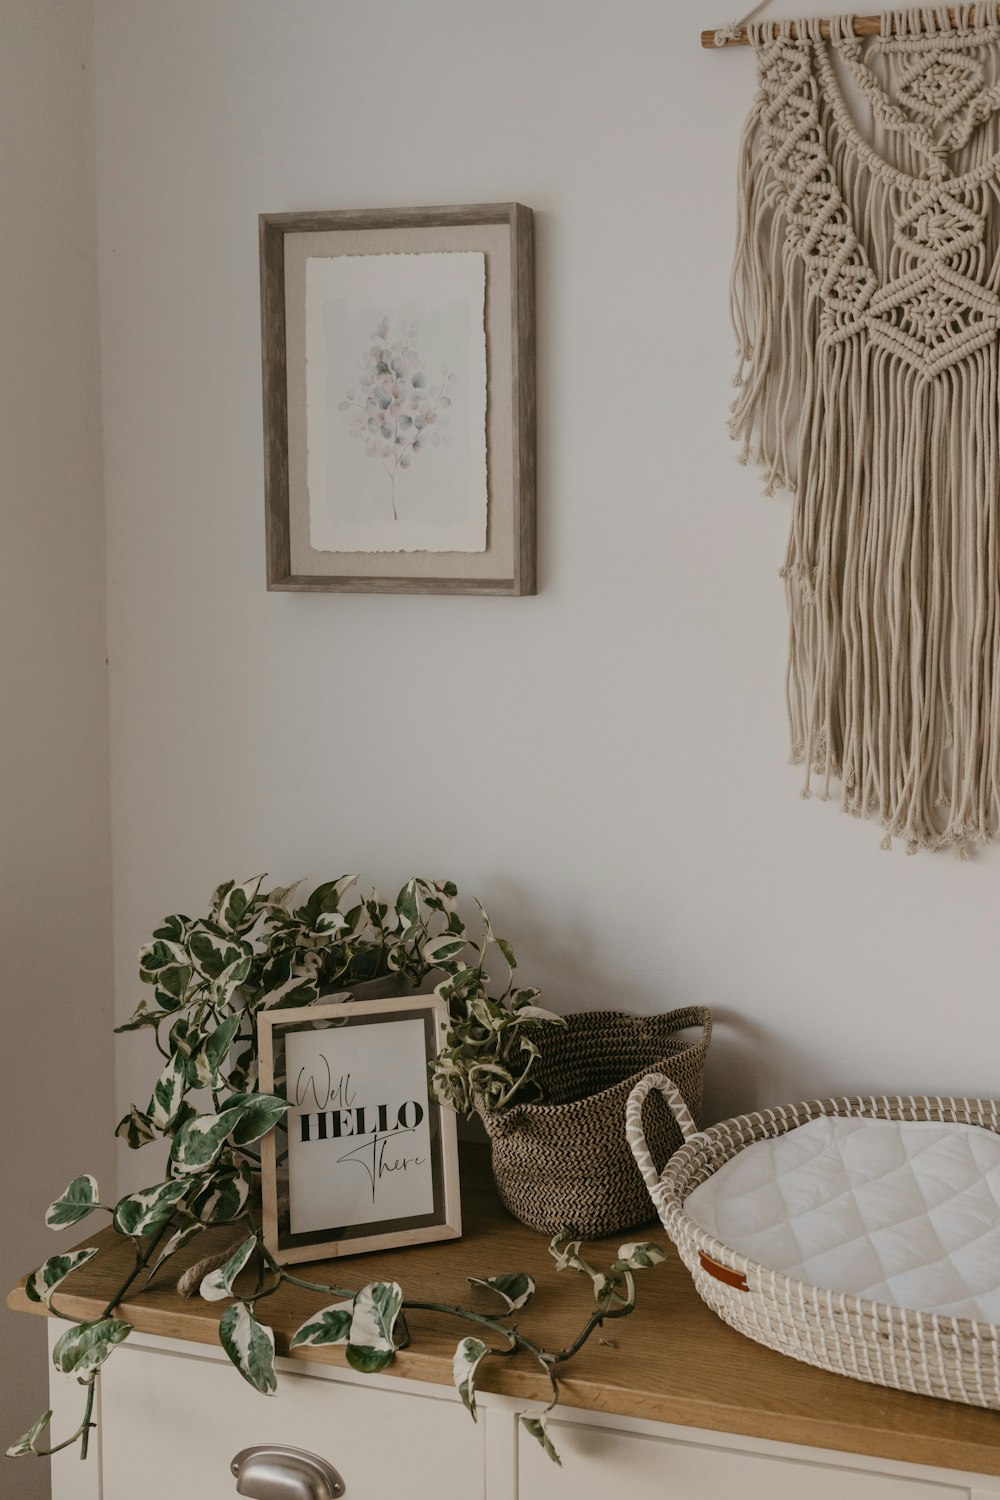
column 565, row 1163
column 929, row 1353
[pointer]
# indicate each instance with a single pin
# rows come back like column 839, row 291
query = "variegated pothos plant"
column 210, row 977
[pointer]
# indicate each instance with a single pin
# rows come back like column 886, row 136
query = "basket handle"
column 633, row 1122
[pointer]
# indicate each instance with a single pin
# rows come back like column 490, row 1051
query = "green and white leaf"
column 297, row 990
column 214, row 951
column 218, row 1285
column 143, row 1015
column 537, row 1013
column 177, row 1241
column 147, row 1212
column 538, row 1429
column 331, row 1325
column 168, row 1091
column 84, row 1347
column 26, row 1443
column 443, row 949
column 198, row 1144
column 468, row 1357
column 566, row 1254
column 639, row 1256
column 74, row 1203
column 259, row 1113
column 604, row 1284
column 250, row 1346
column 217, row 1045
column 40, row 1286
column 157, row 957
column 376, row 1307
column 221, row 990
column 135, row 1128
column 233, row 905
column 222, row 1197
column 516, row 1288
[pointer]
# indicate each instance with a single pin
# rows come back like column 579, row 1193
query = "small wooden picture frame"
column 365, row 1159
column 374, row 322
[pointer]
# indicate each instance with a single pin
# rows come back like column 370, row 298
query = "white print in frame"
column 365, row 1159
column 396, row 402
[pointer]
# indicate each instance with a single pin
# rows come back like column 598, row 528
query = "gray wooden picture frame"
column 514, row 470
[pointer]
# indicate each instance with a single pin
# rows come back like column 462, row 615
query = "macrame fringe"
column 892, row 573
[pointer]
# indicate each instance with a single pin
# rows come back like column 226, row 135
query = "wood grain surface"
column 672, row 1361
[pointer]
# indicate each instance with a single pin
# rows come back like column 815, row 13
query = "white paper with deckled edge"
column 434, row 475
column 370, row 1159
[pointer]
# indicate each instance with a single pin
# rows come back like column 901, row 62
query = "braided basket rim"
column 676, row 1183
column 702, row 1017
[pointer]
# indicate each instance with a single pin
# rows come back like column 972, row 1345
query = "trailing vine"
column 210, row 977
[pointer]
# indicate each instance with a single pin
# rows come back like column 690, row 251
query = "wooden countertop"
column 672, row 1360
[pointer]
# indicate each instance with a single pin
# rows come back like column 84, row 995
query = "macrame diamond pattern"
column 865, row 304
column 932, row 316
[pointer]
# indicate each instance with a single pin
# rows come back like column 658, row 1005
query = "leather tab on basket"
column 723, row 1273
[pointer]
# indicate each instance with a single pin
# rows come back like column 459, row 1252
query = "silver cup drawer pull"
column 275, row 1473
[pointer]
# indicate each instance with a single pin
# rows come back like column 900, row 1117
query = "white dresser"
column 672, row 1405
column 174, row 1415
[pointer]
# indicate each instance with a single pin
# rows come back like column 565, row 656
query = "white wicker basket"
column 930, row 1353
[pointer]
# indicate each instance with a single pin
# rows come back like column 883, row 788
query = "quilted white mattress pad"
column 896, row 1211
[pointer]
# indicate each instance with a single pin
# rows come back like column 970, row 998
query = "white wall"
column 56, row 1101
column 604, row 764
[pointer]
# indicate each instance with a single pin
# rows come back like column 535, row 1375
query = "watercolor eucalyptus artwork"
column 396, row 402
column 394, row 409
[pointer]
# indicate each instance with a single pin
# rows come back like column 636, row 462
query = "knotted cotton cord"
column 865, row 302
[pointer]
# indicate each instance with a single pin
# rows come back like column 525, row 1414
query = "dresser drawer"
column 599, row 1463
column 171, row 1425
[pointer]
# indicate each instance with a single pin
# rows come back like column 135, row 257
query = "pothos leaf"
column 176, row 1241
column 219, row 1284
column 640, row 1256
column 538, row 1428
column 331, row 1325
column 218, row 1044
column 198, row 1143
column 259, row 1113
column 515, row 1287
column 298, row 990
column 376, row 1308
column 168, row 1091
column 233, row 905
column 148, row 1211
column 507, row 951
column 212, row 950
column 468, row 1357
column 233, row 975
column 26, row 1443
column 40, row 1286
column 250, row 1346
column 566, row 1254
column 443, row 949
column 157, row 956
column 135, row 1128
column 223, row 1196
column 84, row 1347
column 141, row 1016
column 74, row 1203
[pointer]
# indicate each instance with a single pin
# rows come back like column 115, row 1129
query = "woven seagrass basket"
column 930, row 1353
column 564, row 1163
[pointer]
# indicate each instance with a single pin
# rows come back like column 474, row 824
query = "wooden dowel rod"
column 863, row 26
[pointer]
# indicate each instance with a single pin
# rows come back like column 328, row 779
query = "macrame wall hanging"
column 865, row 301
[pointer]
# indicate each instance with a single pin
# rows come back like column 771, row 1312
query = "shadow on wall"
column 750, row 1067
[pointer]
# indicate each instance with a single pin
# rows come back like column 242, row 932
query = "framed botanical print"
column 364, row 1158
column 399, row 400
